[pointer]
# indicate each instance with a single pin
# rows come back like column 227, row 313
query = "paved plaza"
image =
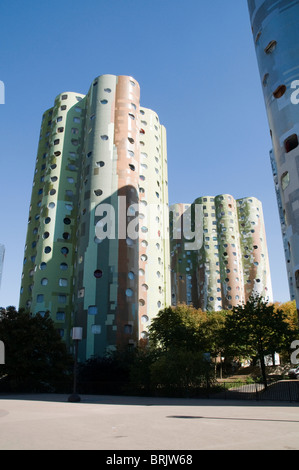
column 50, row 422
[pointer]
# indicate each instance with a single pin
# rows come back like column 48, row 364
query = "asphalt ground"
column 117, row 423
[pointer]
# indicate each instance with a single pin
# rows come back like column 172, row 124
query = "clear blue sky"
column 196, row 65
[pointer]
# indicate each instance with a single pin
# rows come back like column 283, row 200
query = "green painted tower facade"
column 97, row 247
column 231, row 261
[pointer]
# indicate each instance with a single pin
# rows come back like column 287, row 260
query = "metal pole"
column 74, row 397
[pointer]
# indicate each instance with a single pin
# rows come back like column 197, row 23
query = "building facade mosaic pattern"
column 101, row 175
column 232, row 262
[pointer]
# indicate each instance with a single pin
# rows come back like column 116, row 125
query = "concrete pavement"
column 50, row 422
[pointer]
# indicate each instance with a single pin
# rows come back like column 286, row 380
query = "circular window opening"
column 98, row 192
column 47, row 249
column 270, row 47
column 131, row 275
column 141, row 302
column 100, row 164
column 280, row 91
column 67, row 221
column 46, row 235
column 66, row 236
column 47, row 220
column 129, row 292
column 144, row 319
column 63, row 266
column 98, row 274
column 64, row 250
column 43, row 266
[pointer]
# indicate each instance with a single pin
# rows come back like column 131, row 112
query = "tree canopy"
column 35, row 355
column 257, row 328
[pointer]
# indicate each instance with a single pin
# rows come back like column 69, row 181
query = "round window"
column 129, row 292
column 98, row 273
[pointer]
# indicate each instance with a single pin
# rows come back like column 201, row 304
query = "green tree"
column 181, row 370
column 180, row 345
column 257, row 329
column 35, row 355
column 176, row 328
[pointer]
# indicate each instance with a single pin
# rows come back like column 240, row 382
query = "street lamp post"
column 76, row 336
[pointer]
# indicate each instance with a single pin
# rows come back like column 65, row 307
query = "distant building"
column 276, row 40
column 232, row 262
column 101, row 164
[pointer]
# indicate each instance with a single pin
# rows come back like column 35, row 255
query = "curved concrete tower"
column 97, row 246
column 276, row 39
column 232, row 262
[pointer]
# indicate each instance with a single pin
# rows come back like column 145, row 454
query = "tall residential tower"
column 231, row 263
column 276, row 38
column 97, row 249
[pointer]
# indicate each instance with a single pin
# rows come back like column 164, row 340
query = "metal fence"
column 283, row 390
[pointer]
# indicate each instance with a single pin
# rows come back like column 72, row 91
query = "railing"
column 282, row 390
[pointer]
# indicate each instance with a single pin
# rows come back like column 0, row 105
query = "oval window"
column 270, row 47
column 280, row 91
column 129, row 292
column 98, row 273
